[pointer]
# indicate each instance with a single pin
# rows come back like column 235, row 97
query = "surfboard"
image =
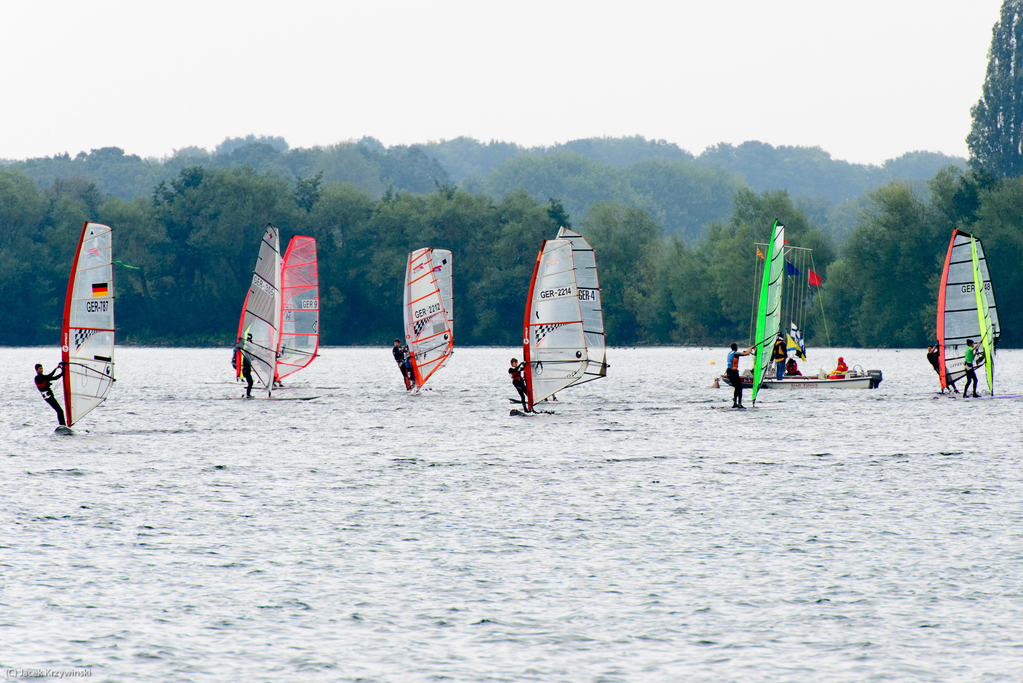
column 63, row 431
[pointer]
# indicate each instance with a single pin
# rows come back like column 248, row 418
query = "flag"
column 100, row 289
column 792, row 270
column 760, row 255
column 815, row 279
column 795, row 342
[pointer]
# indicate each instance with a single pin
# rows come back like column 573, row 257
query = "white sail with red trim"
column 300, row 307
column 427, row 327
column 260, row 324
column 87, row 346
column 553, row 338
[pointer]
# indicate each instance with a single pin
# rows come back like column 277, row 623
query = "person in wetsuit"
column 247, row 374
column 732, row 372
column 971, row 374
column 43, row 385
column 934, row 358
column 520, row 384
column 401, row 357
column 778, row 356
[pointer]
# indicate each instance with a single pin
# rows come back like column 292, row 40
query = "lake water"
column 636, row 534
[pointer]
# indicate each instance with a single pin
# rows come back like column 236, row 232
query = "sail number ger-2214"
column 559, row 291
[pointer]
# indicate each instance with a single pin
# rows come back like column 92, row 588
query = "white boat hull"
column 866, row 381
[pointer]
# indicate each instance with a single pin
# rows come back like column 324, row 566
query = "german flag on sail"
column 100, row 289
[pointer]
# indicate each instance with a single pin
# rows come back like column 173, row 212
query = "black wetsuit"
column 247, row 372
column 43, row 385
column 399, row 353
column 971, row 374
column 732, row 372
column 519, row 383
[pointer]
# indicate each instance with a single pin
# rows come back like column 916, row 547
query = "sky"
column 866, row 81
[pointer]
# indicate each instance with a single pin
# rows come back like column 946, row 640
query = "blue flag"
column 792, row 270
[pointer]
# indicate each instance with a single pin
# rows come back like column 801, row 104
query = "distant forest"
column 673, row 233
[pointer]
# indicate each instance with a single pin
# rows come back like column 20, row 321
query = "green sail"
column 769, row 310
column 983, row 317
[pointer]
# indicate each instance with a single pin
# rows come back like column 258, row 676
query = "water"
column 634, row 535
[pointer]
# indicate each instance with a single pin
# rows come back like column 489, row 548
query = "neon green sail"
column 769, row 310
column 983, row 317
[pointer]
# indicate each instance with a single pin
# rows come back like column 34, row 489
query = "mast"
column 427, row 327
column 553, row 341
column 300, row 307
column 769, row 313
column 260, row 326
column 87, row 334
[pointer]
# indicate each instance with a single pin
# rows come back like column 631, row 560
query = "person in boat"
column 402, row 358
column 515, row 371
column 792, row 368
column 778, row 356
column 732, row 372
column 840, row 370
column 934, row 358
column 43, row 385
column 971, row 374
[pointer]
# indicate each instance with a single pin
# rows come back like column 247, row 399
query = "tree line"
column 193, row 242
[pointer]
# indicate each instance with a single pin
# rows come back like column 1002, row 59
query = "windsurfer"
column 732, row 372
column 520, row 384
column 43, row 385
column 247, row 372
column 934, row 358
column 971, row 375
column 778, row 356
column 401, row 357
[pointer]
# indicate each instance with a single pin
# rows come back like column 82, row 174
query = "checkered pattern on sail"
column 541, row 331
column 81, row 336
column 418, row 326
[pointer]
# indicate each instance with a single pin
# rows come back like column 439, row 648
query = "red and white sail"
column 428, row 331
column 260, row 325
column 553, row 337
column 87, row 346
column 300, row 307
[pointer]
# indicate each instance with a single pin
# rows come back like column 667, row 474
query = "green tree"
column 996, row 136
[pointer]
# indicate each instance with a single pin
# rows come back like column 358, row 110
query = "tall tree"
column 996, row 137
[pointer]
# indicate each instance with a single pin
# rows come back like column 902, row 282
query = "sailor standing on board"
column 732, row 372
column 43, row 385
column 520, row 384
column 971, row 375
column 401, row 354
column 934, row 358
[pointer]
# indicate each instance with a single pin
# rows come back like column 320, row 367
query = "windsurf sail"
column 553, row 340
column 769, row 309
column 427, row 328
column 588, row 286
column 261, row 320
column 87, row 331
column 964, row 278
column 300, row 307
column 983, row 317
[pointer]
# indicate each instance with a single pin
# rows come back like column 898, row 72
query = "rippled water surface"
column 635, row 534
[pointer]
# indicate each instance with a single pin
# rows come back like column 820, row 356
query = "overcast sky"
column 866, row 80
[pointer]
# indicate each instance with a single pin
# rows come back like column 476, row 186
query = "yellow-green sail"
column 769, row 309
column 983, row 318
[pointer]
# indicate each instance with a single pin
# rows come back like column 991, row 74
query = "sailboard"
column 300, row 307
column 87, row 331
column 588, row 287
column 966, row 309
column 553, row 340
column 260, row 325
column 428, row 331
column 769, row 309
